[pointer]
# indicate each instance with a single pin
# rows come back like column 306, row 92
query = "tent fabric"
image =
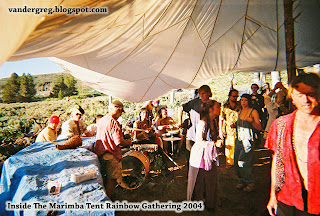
column 143, row 49
column 26, row 175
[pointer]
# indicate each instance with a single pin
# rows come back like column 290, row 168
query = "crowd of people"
column 237, row 125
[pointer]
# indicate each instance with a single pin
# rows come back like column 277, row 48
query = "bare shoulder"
column 254, row 112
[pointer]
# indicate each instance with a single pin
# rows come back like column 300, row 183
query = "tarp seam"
column 207, row 47
column 197, row 31
column 170, row 56
column 243, row 33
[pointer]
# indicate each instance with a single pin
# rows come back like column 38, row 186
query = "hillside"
column 45, row 82
column 16, row 119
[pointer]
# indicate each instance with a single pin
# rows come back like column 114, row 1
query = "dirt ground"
column 173, row 186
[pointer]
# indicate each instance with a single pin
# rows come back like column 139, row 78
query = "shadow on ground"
column 173, row 186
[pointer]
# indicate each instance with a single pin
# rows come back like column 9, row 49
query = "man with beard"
column 228, row 119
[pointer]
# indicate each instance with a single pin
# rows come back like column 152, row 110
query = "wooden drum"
column 135, row 168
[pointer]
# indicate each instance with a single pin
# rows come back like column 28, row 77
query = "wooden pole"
column 289, row 37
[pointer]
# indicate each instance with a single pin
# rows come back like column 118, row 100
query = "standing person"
column 228, row 118
column 74, row 126
column 50, row 132
column 203, row 171
column 266, row 89
column 248, row 121
column 193, row 108
column 258, row 104
column 295, row 139
column 277, row 107
column 257, row 99
column 109, row 140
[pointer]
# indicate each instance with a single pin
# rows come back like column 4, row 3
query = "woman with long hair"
column 203, row 171
column 247, row 123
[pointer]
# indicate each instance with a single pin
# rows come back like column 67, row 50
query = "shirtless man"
column 295, row 138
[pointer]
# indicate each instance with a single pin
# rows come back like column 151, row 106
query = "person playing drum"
column 165, row 123
column 145, row 134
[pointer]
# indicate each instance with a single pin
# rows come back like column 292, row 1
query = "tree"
column 60, row 95
column 71, row 82
column 10, row 93
column 59, row 86
column 27, row 88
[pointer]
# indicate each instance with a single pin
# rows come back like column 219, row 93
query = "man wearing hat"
column 74, row 126
column 49, row 133
column 109, row 140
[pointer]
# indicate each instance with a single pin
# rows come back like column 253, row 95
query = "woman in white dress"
column 203, row 172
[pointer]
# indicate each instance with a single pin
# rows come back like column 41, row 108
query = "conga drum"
column 135, row 168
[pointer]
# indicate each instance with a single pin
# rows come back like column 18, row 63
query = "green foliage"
column 71, row 82
column 19, row 89
column 13, row 128
column 27, row 88
column 60, row 95
column 64, row 86
column 58, row 86
column 159, row 163
column 95, row 103
column 10, row 93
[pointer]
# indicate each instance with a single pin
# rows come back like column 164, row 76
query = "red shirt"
column 108, row 137
column 291, row 192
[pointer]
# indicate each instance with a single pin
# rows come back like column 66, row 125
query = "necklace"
column 245, row 115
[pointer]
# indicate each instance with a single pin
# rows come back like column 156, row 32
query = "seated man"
column 74, row 126
column 165, row 123
column 49, row 133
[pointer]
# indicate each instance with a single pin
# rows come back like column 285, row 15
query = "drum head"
column 135, row 167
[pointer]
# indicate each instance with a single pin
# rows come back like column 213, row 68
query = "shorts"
column 110, row 167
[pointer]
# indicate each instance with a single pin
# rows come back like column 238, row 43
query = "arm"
column 85, row 133
column 222, row 124
column 278, row 85
column 66, row 131
column 125, row 142
column 273, row 203
column 180, row 113
column 254, row 120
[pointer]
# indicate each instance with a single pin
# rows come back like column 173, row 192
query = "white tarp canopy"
column 144, row 48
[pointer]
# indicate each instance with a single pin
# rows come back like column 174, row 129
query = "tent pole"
column 289, row 37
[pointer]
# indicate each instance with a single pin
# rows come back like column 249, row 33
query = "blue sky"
column 32, row 66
